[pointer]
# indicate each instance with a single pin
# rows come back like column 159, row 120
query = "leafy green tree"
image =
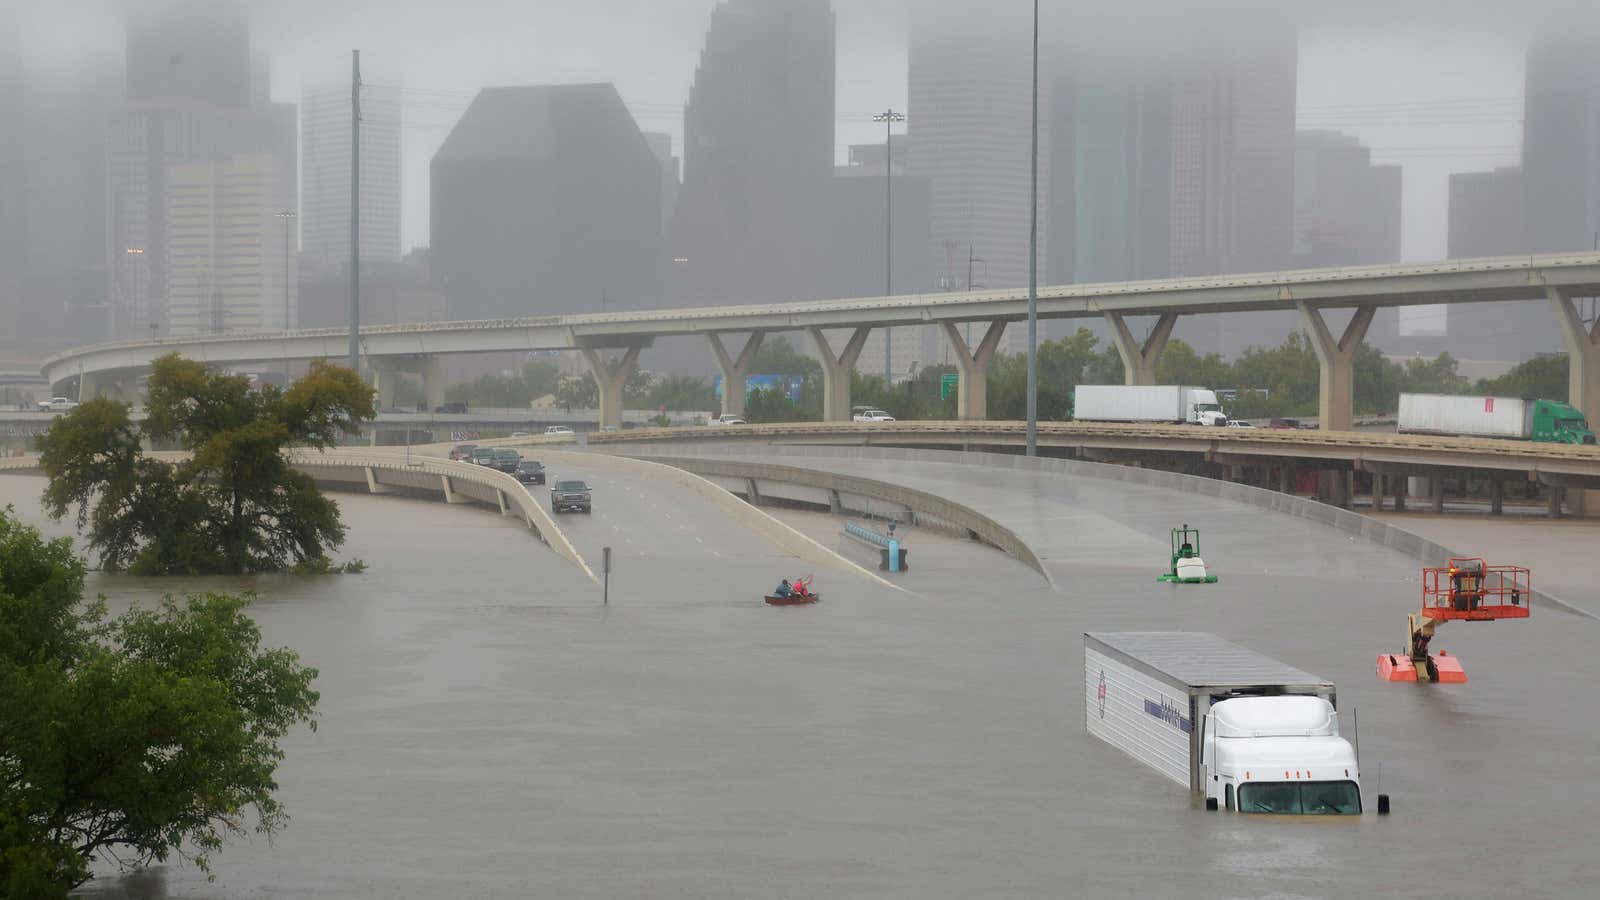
column 1063, row 365
column 234, row 505
column 581, row 392
column 537, row 378
column 680, row 392
column 143, row 736
column 1543, row 377
column 779, row 357
column 1180, row 364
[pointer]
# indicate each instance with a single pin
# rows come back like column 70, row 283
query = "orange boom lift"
column 1468, row 590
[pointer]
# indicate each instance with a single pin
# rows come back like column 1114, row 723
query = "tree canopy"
column 233, row 505
column 132, row 738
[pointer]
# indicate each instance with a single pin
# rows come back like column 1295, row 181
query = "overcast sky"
column 1434, row 85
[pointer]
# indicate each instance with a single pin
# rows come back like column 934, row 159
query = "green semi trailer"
column 1511, row 418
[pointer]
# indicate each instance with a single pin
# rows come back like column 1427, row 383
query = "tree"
column 131, row 738
column 1543, row 377
column 234, row 505
column 581, row 392
column 538, row 378
column 680, row 392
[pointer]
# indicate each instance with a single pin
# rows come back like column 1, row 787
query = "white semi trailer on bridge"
column 1248, row 732
column 1147, row 403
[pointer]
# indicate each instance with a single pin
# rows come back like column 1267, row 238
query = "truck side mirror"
column 1383, row 804
column 1211, row 804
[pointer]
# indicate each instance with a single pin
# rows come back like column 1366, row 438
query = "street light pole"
column 1033, row 254
column 287, row 216
column 888, row 117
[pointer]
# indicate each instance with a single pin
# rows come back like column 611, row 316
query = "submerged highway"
column 489, row 729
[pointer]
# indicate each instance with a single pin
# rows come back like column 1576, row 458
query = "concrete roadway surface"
column 489, row 731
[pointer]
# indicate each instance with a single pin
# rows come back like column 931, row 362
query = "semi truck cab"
column 1204, row 408
column 1280, row 755
column 1560, row 423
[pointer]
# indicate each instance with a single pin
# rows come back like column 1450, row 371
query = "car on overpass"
column 463, row 452
column 558, row 429
column 506, row 460
column 483, row 456
column 570, row 495
column 454, row 407
column 727, row 419
column 530, row 471
column 870, row 414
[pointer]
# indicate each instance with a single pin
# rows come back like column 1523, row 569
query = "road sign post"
column 605, row 576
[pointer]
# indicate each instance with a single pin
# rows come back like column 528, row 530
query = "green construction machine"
column 1187, row 566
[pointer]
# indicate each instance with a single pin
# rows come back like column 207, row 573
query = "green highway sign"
column 948, row 383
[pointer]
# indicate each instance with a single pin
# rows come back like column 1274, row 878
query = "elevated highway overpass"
column 611, row 341
column 1389, row 458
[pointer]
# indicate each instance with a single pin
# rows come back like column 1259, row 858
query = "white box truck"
column 1250, row 733
column 1147, row 403
column 1511, row 418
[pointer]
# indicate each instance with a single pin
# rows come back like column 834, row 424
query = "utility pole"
column 1033, row 254
column 888, row 117
column 972, row 287
column 355, row 212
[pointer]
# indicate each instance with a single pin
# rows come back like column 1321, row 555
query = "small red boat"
column 800, row 596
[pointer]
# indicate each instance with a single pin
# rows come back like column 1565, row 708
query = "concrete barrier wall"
column 1343, row 520
column 376, row 469
column 967, row 520
column 771, row 529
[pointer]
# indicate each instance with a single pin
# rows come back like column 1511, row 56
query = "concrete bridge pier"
column 386, row 379
column 1336, row 386
column 735, row 370
column 89, row 387
column 1583, row 380
column 432, row 381
column 836, row 372
column 1139, row 359
column 610, row 376
column 972, row 391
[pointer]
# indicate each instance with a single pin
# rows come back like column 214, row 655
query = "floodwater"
column 488, row 729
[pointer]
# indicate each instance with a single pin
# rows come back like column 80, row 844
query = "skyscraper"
column 13, row 184
column 191, row 99
column 969, row 120
column 758, row 154
column 1486, row 219
column 227, row 253
column 546, row 200
column 325, row 190
column 1561, row 143
column 1346, row 210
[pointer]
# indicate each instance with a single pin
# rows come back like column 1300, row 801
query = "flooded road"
column 489, row 730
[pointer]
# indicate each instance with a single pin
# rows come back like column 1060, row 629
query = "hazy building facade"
column 546, row 200
column 661, row 145
column 1346, row 210
column 858, row 265
column 228, row 256
column 758, row 155
column 1486, row 219
column 325, row 123
column 1561, row 144
column 13, row 185
column 195, row 95
column 968, row 116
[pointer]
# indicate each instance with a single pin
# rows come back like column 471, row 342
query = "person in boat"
column 802, row 587
column 783, row 589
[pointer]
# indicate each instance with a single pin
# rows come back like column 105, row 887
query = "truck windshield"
column 1571, row 425
column 1296, row 798
column 1208, row 407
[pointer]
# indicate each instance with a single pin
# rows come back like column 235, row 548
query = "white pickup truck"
column 57, row 404
column 727, row 419
column 871, row 415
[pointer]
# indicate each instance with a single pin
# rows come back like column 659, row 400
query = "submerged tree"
column 135, row 738
column 233, row 505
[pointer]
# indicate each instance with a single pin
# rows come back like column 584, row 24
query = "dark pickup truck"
column 569, row 495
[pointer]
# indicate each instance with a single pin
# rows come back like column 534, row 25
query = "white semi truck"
column 1248, row 732
column 1147, row 403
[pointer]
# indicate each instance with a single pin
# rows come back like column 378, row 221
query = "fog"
column 1431, row 85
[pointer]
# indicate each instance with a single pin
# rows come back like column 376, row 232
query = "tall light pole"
column 355, row 211
column 888, row 117
column 1033, row 254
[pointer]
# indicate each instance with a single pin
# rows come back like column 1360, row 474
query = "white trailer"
column 1248, row 732
column 1147, row 403
column 1501, row 417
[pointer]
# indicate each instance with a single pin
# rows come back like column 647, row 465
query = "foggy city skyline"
column 1354, row 76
